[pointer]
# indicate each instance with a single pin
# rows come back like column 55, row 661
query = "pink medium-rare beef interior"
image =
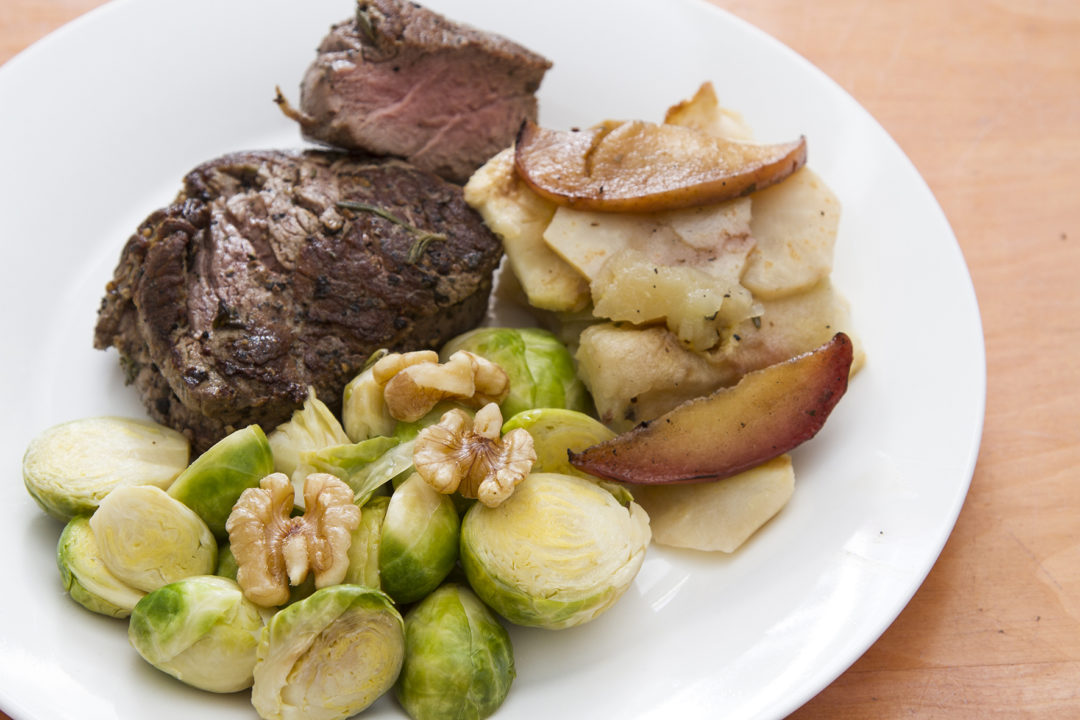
column 401, row 80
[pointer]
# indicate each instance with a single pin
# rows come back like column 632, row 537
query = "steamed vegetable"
column 364, row 549
column 201, row 630
column 71, row 467
column 418, row 543
column 212, row 484
column 227, row 566
column 329, row 656
column 363, row 411
column 558, row 553
column 554, row 432
column 364, row 466
column 406, row 431
column 719, row 515
column 540, row 367
column 518, row 216
column 85, row 576
column 459, row 662
column 794, row 226
column 311, row 428
column 148, row 539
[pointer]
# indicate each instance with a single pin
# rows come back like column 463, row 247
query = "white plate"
column 99, row 122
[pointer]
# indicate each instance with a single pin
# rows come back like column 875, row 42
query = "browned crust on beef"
column 256, row 283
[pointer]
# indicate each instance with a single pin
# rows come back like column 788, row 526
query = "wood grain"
column 984, row 96
column 985, row 99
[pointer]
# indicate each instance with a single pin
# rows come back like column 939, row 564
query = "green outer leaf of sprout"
column 459, row 661
column 213, row 483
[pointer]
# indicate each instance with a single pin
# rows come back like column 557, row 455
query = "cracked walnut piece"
column 274, row 550
column 415, row 382
column 469, row 456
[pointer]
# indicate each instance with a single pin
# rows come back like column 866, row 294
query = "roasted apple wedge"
column 636, row 166
column 767, row 413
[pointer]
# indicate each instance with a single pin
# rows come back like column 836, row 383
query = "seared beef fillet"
column 402, row 80
column 259, row 280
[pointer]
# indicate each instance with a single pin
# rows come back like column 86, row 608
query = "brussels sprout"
column 70, row 468
column 541, row 369
column 556, row 430
column 85, row 576
column 419, row 541
column 395, row 465
column 353, row 464
column 148, row 539
column 328, row 656
column 227, row 566
column 459, row 662
column 201, row 630
column 310, row 428
column 364, row 549
column 559, row 552
column 211, row 485
column 409, row 430
column 302, row 591
column 363, row 409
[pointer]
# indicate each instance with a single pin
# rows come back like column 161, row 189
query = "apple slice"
column 637, row 166
column 767, row 413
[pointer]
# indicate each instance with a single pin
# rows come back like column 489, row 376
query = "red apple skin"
column 767, row 413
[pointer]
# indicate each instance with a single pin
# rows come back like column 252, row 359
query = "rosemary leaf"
column 421, row 238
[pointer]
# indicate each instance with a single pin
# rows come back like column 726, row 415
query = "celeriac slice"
column 518, row 216
column 720, row 515
column 794, row 225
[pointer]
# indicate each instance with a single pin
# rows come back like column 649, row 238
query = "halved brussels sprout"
column 559, row 552
column 69, row 468
column 459, row 662
column 85, row 576
column 541, row 369
column 352, row 464
column 363, row 409
column 556, row 430
column 310, row 428
column 211, row 485
column 329, row 656
column 148, row 539
column 201, row 630
column 419, row 542
column 364, row 549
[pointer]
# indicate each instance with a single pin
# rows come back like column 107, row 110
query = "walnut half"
column 415, row 382
column 469, row 456
column 274, row 550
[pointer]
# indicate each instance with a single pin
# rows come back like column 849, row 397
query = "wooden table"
column 984, row 96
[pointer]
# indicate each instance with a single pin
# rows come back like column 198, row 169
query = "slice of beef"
column 275, row 271
column 399, row 79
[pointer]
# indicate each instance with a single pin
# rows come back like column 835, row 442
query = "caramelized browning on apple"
column 637, row 166
column 767, row 413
